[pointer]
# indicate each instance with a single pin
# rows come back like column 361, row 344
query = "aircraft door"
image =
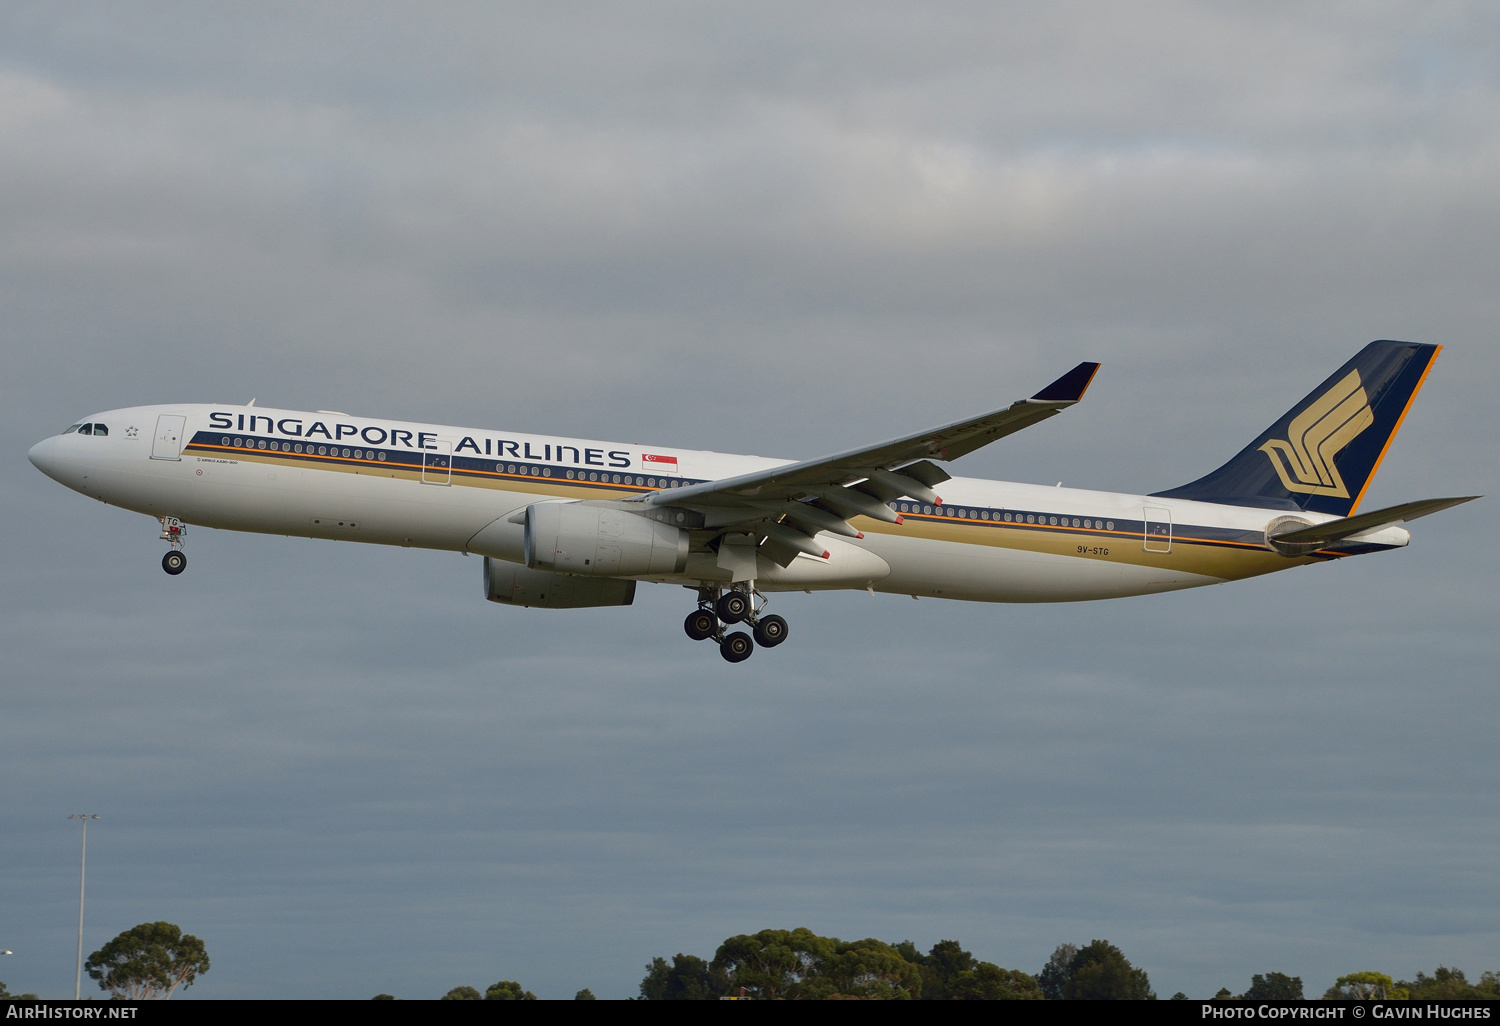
column 437, row 464
column 1158, row 529
column 166, row 444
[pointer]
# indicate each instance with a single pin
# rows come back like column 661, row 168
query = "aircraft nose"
column 43, row 455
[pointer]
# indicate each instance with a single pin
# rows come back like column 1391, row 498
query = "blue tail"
column 1323, row 452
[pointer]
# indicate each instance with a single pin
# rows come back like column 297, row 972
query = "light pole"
column 83, row 862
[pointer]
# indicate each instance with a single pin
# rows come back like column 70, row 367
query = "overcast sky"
column 776, row 229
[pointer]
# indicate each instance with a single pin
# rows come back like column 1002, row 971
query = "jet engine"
column 516, row 585
column 600, row 541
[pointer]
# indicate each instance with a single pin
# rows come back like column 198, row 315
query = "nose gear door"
column 166, row 444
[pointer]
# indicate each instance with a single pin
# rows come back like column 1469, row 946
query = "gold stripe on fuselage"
column 1224, row 559
column 1227, row 560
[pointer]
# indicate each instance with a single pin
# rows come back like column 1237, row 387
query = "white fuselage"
column 329, row 475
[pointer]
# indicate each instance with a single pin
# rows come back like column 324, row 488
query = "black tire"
column 174, row 562
column 770, row 631
column 733, row 606
column 701, row 624
column 736, row 647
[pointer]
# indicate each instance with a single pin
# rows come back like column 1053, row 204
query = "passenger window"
column 100, row 429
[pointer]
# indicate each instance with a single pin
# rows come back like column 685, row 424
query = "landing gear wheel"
column 736, row 647
column 770, row 631
column 733, row 607
column 174, row 562
column 701, row 624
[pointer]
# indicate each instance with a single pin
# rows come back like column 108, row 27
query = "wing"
column 788, row 506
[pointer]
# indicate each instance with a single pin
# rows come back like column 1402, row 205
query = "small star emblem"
column 131, row 432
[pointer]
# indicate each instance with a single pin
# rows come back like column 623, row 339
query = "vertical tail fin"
column 1322, row 454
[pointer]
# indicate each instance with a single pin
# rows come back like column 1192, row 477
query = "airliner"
column 570, row 522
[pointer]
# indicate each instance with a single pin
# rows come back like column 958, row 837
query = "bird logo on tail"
column 1304, row 461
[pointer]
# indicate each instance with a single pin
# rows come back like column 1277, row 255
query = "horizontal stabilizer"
column 1320, row 535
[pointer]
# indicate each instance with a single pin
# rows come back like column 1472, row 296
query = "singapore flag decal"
column 660, row 464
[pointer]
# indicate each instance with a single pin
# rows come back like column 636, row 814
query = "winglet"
column 1070, row 387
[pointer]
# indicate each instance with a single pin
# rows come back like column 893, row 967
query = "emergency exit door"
column 437, row 464
column 1158, row 529
column 166, row 444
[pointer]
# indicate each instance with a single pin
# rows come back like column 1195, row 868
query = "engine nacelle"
column 598, row 541
column 515, row 585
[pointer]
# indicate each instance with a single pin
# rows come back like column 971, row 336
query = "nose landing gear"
column 717, row 609
column 172, row 530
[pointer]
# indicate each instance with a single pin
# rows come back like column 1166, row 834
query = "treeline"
column 798, row 964
column 152, row 960
column 786, row 965
column 793, row 964
column 1443, row 985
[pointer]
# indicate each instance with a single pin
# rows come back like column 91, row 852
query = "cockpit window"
column 85, row 429
column 75, row 427
column 100, row 429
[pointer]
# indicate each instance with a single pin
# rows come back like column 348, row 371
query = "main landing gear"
column 172, row 530
column 716, row 610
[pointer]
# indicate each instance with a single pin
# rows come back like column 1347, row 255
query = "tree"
column 462, row 994
column 149, row 961
column 798, row 964
column 4, row 993
column 988, row 982
column 1101, row 972
column 1274, row 987
column 1450, row 985
column 949, row 973
column 508, row 990
column 383, row 997
column 867, row 969
column 1366, row 986
column 584, row 995
column 687, row 978
column 942, row 964
column 1056, row 973
column 1179, row 996
column 776, row 965
column 772, row 963
column 948, row 958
